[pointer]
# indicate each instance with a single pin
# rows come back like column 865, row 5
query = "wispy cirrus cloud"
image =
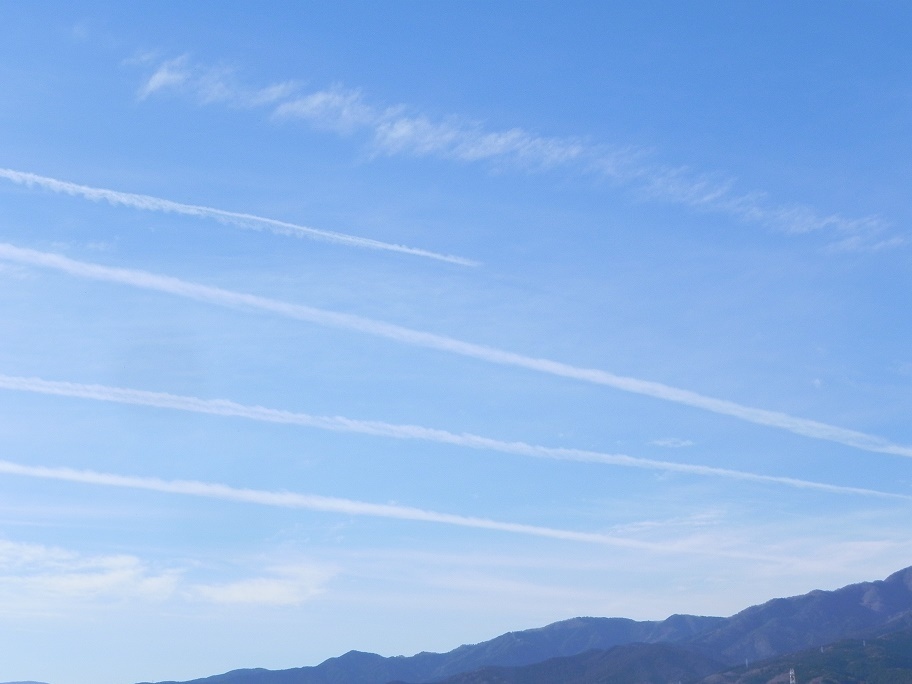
column 397, row 130
column 211, row 84
column 335, row 109
column 226, row 408
column 169, row 74
column 469, row 142
column 242, row 220
column 418, row 338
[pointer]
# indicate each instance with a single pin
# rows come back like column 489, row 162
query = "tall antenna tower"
column 792, row 676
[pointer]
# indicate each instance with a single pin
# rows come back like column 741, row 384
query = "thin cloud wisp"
column 396, row 130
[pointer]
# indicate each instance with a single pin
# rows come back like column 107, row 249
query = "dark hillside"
column 884, row 660
column 634, row 663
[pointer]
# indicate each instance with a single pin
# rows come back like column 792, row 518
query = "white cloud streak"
column 168, row 75
column 326, row 504
column 226, row 408
column 288, row 586
column 210, row 85
column 38, row 578
column 250, row 221
column 393, row 131
column 51, row 574
column 672, row 443
column 237, row 300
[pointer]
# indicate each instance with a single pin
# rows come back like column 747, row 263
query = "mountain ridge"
column 819, row 617
column 763, row 631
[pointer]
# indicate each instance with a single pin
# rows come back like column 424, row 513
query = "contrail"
column 149, row 203
column 418, row 338
column 327, row 504
column 223, row 407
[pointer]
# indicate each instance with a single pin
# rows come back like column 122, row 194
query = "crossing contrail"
column 418, row 338
column 224, row 407
column 149, row 203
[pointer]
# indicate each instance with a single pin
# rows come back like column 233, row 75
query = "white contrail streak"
column 326, row 504
column 228, row 298
column 149, row 203
column 223, row 407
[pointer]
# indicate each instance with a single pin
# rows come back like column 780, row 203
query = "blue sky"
column 398, row 326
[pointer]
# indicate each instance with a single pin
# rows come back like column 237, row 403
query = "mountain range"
column 869, row 622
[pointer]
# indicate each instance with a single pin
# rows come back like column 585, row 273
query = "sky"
column 398, row 326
